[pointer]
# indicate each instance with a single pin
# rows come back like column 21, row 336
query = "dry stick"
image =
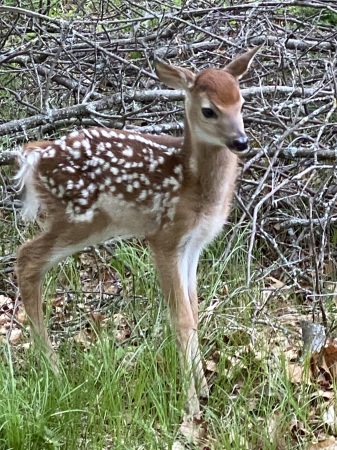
column 185, row 14
column 326, row 122
column 297, row 222
column 85, row 109
column 295, row 44
column 263, row 200
column 66, row 82
column 273, row 191
column 270, row 40
column 262, row 6
column 91, row 43
column 19, row 99
column 316, row 282
column 114, row 56
column 8, row 158
column 140, row 96
column 325, row 222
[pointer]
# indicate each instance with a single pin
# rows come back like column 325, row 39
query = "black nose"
column 240, row 144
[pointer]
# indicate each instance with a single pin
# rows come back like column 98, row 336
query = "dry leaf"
column 123, row 330
column 294, row 372
column 275, row 283
column 15, row 336
column 83, row 339
column 297, row 429
column 326, row 395
column 323, row 364
column 329, row 417
column 211, row 365
column 327, row 444
column 26, row 345
column 193, row 429
column 57, row 302
column 291, row 354
column 4, row 329
column 97, row 319
column 330, row 356
column 272, row 424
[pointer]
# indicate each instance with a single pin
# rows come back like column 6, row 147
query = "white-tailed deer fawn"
column 96, row 184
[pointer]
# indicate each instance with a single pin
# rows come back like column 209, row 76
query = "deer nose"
column 240, row 144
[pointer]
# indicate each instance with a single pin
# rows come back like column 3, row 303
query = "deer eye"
column 209, row 113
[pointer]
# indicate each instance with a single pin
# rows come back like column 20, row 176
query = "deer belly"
column 128, row 219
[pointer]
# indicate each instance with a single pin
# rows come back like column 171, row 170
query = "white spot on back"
column 128, row 152
column 86, row 144
column 95, row 133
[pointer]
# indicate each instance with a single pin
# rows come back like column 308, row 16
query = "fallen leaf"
column 330, row 356
column 323, row 364
column 15, row 336
column 83, row 339
column 123, row 329
column 272, row 425
column 324, row 394
column 291, row 354
column 294, row 372
column 327, row 444
column 211, row 365
column 297, row 429
column 329, row 417
column 275, row 283
column 193, row 429
column 97, row 319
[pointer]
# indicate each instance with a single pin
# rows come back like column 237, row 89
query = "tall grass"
column 130, row 394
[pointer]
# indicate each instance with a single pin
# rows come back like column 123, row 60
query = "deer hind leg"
column 36, row 257
column 174, row 279
column 33, row 260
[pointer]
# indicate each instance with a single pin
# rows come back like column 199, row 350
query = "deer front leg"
column 190, row 260
column 174, row 284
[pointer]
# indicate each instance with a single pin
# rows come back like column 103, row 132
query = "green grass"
column 105, row 398
column 129, row 393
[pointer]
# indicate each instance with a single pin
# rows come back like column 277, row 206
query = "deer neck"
column 212, row 168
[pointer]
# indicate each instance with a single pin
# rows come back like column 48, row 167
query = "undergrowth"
column 127, row 391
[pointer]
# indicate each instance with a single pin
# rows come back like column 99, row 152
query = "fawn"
column 99, row 183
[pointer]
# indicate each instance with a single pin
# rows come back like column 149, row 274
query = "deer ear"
column 175, row 77
column 241, row 64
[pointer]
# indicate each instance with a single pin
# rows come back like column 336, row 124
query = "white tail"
column 95, row 184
